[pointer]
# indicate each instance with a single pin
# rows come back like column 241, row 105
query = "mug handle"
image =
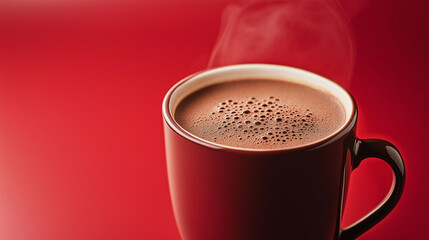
column 386, row 151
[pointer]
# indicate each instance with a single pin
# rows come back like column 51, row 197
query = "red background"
column 81, row 85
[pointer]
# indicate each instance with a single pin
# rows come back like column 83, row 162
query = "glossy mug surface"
column 225, row 192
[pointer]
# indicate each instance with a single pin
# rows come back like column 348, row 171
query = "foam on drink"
column 261, row 114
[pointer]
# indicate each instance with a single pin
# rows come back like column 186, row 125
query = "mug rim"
column 172, row 123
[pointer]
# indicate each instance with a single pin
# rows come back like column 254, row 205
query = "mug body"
column 221, row 192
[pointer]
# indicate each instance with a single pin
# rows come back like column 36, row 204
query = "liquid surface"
column 260, row 114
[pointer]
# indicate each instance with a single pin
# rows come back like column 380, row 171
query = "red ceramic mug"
column 228, row 193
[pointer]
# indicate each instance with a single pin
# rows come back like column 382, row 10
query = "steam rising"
column 311, row 34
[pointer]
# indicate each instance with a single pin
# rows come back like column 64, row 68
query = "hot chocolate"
column 260, row 114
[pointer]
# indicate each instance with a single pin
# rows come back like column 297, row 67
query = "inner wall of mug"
column 262, row 71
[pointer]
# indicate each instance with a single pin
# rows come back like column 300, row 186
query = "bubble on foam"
column 289, row 122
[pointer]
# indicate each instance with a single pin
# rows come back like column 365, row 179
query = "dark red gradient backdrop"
column 81, row 85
